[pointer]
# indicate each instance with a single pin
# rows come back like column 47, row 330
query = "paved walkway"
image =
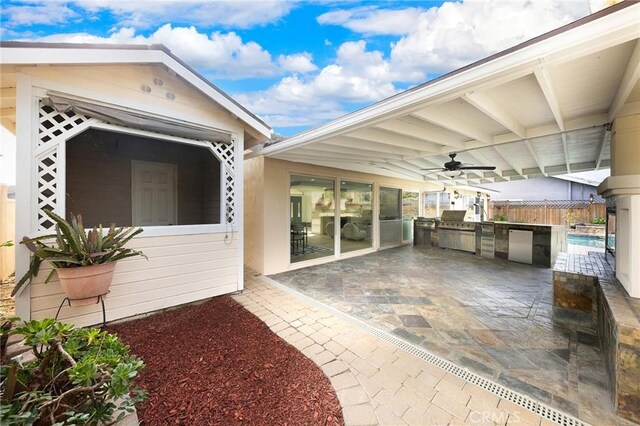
column 377, row 382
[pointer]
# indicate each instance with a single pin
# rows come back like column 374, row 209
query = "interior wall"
column 275, row 250
column 99, row 163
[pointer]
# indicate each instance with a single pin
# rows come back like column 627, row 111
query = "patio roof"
column 541, row 108
column 14, row 54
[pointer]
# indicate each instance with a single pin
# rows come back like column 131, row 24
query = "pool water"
column 589, row 240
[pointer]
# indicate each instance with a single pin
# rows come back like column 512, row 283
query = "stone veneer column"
column 624, row 186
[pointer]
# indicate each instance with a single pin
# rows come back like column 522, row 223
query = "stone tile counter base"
column 588, row 296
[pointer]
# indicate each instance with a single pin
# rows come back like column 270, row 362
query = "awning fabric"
column 135, row 120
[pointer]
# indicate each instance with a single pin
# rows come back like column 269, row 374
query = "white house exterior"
column 128, row 132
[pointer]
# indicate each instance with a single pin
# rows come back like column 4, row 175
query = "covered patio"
column 490, row 316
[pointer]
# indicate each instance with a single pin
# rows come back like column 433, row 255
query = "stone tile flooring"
column 376, row 382
column 489, row 315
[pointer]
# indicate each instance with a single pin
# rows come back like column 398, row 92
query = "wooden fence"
column 7, row 232
column 547, row 212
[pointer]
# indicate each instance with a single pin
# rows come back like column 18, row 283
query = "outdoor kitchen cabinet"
column 545, row 241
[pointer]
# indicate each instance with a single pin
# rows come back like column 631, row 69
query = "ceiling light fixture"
column 452, row 173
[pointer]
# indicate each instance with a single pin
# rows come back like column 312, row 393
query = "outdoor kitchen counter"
column 546, row 242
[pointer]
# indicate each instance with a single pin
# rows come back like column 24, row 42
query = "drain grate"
column 503, row 392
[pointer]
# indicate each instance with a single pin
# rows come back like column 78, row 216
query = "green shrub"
column 500, row 218
column 599, row 221
column 79, row 376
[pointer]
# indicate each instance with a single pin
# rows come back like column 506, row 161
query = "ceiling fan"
column 455, row 168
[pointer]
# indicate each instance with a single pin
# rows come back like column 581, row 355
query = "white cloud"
column 37, row 14
column 227, row 14
column 357, row 76
column 299, row 62
column 444, row 38
column 219, row 54
column 372, row 20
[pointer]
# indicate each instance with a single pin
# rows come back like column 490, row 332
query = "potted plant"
column 84, row 260
column 79, row 376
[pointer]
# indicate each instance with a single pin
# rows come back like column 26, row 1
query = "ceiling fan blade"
column 477, row 168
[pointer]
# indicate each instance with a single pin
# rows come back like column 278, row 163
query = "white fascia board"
column 70, row 56
column 602, row 33
column 80, row 56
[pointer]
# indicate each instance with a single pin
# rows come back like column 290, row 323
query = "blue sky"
column 298, row 64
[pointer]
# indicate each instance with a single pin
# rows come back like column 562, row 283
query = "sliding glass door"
column 312, row 210
column 355, row 216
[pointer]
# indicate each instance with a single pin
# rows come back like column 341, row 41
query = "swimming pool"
column 589, row 240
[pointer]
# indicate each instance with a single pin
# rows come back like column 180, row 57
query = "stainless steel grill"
column 455, row 233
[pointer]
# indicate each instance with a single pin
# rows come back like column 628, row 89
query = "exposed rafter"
column 408, row 127
column 629, row 80
column 535, row 157
column 507, row 160
column 544, row 81
column 546, row 130
column 490, row 108
column 453, row 124
column 330, row 152
column 482, row 160
column 565, row 149
column 393, row 139
column 606, row 139
column 371, row 146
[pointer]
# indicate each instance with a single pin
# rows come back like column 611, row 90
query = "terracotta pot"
column 83, row 285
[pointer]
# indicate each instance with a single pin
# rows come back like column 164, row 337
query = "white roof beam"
column 535, row 157
column 393, row 139
column 363, row 168
column 544, row 81
column 481, row 158
column 305, row 157
column 629, row 80
column 370, row 146
column 490, row 108
column 338, row 151
column 545, row 130
column 411, row 168
column 402, row 170
column 506, row 159
column 606, row 138
column 449, row 122
column 407, row 127
column 565, row 148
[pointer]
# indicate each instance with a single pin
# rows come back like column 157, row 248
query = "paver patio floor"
column 492, row 316
column 377, row 382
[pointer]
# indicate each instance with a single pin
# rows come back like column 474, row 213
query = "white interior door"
column 154, row 201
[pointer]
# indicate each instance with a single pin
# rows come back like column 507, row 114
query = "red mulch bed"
column 217, row 364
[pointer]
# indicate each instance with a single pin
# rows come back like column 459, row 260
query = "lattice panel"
column 53, row 124
column 47, row 187
column 226, row 153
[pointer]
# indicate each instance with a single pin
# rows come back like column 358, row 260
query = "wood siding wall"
column 547, row 214
column 7, row 232
column 180, row 269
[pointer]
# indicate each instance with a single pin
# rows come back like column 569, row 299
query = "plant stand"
column 100, row 300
